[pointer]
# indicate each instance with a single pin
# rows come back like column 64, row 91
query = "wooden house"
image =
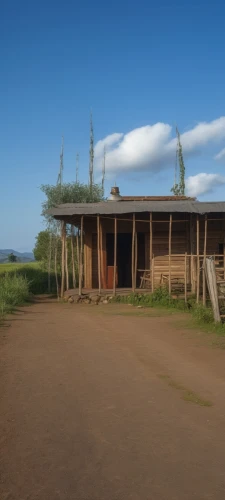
column 141, row 242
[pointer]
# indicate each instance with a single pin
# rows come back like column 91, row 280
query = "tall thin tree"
column 91, row 154
column 181, row 164
column 179, row 189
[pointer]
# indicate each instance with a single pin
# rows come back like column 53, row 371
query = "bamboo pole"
column 56, row 273
column 198, row 266
column 153, row 262
column 72, row 256
column 78, row 252
column 115, row 256
column 99, row 256
column 204, row 263
column 49, row 262
column 150, row 243
column 63, row 259
column 133, row 255
column 136, row 260
column 224, row 247
column 81, row 256
column 170, row 241
column 212, row 287
column 185, row 277
column 66, row 265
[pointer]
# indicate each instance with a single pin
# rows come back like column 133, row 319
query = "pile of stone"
column 72, row 297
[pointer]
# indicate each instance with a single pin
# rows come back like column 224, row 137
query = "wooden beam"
column 185, row 277
column 133, row 255
column 81, row 256
column 66, row 265
column 136, row 257
column 150, row 243
column 99, row 255
column 102, row 256
column 170, row 245
column 63, row 259
column 115, row 257
column 72, row 255
column 191, row 254
column 224, row 246
column 204, row 264
column 212, row 287
column 152, row 273
column 198, row 264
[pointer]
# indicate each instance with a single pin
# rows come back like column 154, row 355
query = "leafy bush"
column 14, row 291
column 202, row 314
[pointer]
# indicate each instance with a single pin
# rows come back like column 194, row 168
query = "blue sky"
column 142, row 67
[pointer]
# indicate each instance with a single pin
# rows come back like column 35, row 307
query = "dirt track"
column 93, row 407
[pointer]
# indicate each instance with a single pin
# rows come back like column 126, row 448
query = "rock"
column 95, row 299
column 87, row 301
column 140, row 307
column 105, row 301
column 76, row 299
column 71, row 300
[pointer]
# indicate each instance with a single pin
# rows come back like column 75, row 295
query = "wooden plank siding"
column 183, row 241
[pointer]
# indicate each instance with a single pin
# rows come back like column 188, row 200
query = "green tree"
column 12, row 257
column 44, row 240
column 73, row 192
column 179, row 189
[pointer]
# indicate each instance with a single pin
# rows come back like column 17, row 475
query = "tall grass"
column 36, row 276
column 14, row 291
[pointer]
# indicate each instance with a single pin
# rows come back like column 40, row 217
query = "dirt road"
column 96, row 406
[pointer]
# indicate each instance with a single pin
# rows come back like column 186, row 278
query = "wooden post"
column 49, row 262
column 185, row 277
column 192, row 252
column 204, row 263
column 153, row 262
column 81, row 255
column 63, row 259
column 198, row 266
column 99, row 256
column 72, row 256
column 66, row 265
column 56, row 272
column 224, row 247
column 170, row 241
column 115, row 256
column 136, row 260
column 133, row 255
column 150, row 243
column 212, row 287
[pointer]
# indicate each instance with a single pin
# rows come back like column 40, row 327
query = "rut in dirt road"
column 94, row 406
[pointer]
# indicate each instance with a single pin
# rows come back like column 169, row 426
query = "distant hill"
column 21, row 256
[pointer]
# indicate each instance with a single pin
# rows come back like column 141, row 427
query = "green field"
column 13, row 267
column 35, row 274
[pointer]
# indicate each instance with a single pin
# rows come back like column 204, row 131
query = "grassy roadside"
column 200, row 316
column 14, row 291
column 36, row 276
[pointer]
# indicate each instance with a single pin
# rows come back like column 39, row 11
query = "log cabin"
column 130, row 243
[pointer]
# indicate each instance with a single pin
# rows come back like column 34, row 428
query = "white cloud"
column 220, row 155
column 197, row 185
column 151, row 148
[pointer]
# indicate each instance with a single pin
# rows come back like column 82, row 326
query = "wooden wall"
column 184, row 239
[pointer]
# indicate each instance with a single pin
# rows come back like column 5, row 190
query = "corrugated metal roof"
column 128, row 207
